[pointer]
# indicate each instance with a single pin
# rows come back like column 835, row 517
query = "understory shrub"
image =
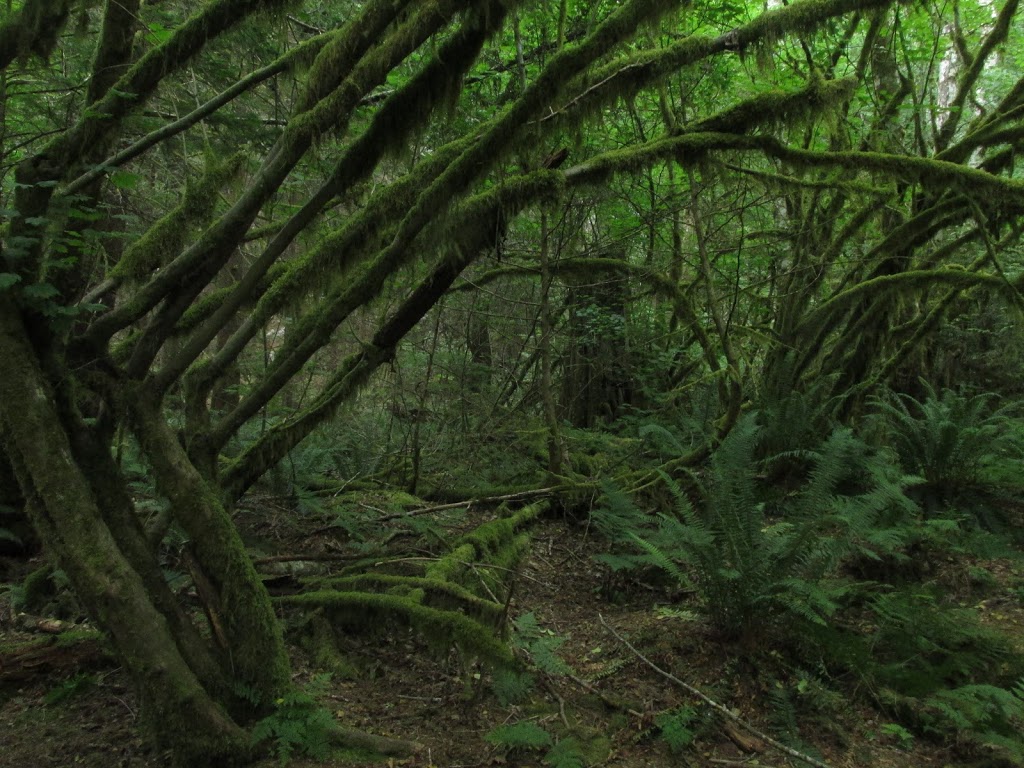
column 772, row 564
column 949, row 438
column 753, row 569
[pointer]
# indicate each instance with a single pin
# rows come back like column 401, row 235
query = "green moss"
column 38, row 588
column 905, row 281
column 491, row 535
column 251, row 639
column 627, row 75
column 432, row 592
column 778, row 107
column 451, row 565
column 321, row 643
column 75, row 636
column 169, row 235
column 442, row 629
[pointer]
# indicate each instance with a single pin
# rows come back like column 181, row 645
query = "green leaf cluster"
column 756, row 570
column 299, row 725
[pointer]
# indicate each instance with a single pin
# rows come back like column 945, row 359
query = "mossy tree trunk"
column 597, row 378
column 183, row 691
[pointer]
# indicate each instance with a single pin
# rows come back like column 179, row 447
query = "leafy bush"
column 752, row 570
column 947, row 438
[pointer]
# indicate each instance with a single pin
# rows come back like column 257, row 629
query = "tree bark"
column 63, row 505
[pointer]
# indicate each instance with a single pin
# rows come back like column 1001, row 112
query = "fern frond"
column 521, row 735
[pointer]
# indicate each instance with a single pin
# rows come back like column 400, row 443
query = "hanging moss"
column 995, row 192
column 903, row 282
column 777, row 107
column 783, row 181
column 433, row 592
column 339, row 80
column 479, row 218
column 449, row 185
column 336, row 60
column 166, row 238
column 402, row 112
column 629, row 74
column 687, row 150
column 343, row 248
column 208, row 303
column 442, row 629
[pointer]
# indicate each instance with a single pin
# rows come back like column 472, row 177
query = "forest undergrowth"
column 841, row 597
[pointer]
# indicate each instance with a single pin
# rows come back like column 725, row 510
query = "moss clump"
column 442, row 629
column 452, row 564
column 322, row 644
column 38, row 588
column 168, row 235
column 433, row 592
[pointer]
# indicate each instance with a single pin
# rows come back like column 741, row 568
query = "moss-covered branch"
column 996, row 36
column 402, row 113
column 689, row 148
column 37, row 175
column 64, row 510
column 643, row 69
column 238, row 605
column 33, row 30
column 478, row 223
column 904, row 281
column 296, row 57
column 439, row 627
column 169, row 234
column 436, row 593
column 366, row 63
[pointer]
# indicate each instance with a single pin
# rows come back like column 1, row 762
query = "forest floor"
column 612, row 702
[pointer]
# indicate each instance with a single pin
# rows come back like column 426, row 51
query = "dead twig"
column 714, row 704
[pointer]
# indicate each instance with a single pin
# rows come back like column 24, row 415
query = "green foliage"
column 540, row 644
column 792, row 420
column 937, row 667
column 753, row 570
column 73, row 687
column 903, row 737
column 948, row 437
column 990, row 714
column 677, row 727
column 511, row 686
column 526, row 735
column 567, row 753
column 521, row 735
column 299, row 725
